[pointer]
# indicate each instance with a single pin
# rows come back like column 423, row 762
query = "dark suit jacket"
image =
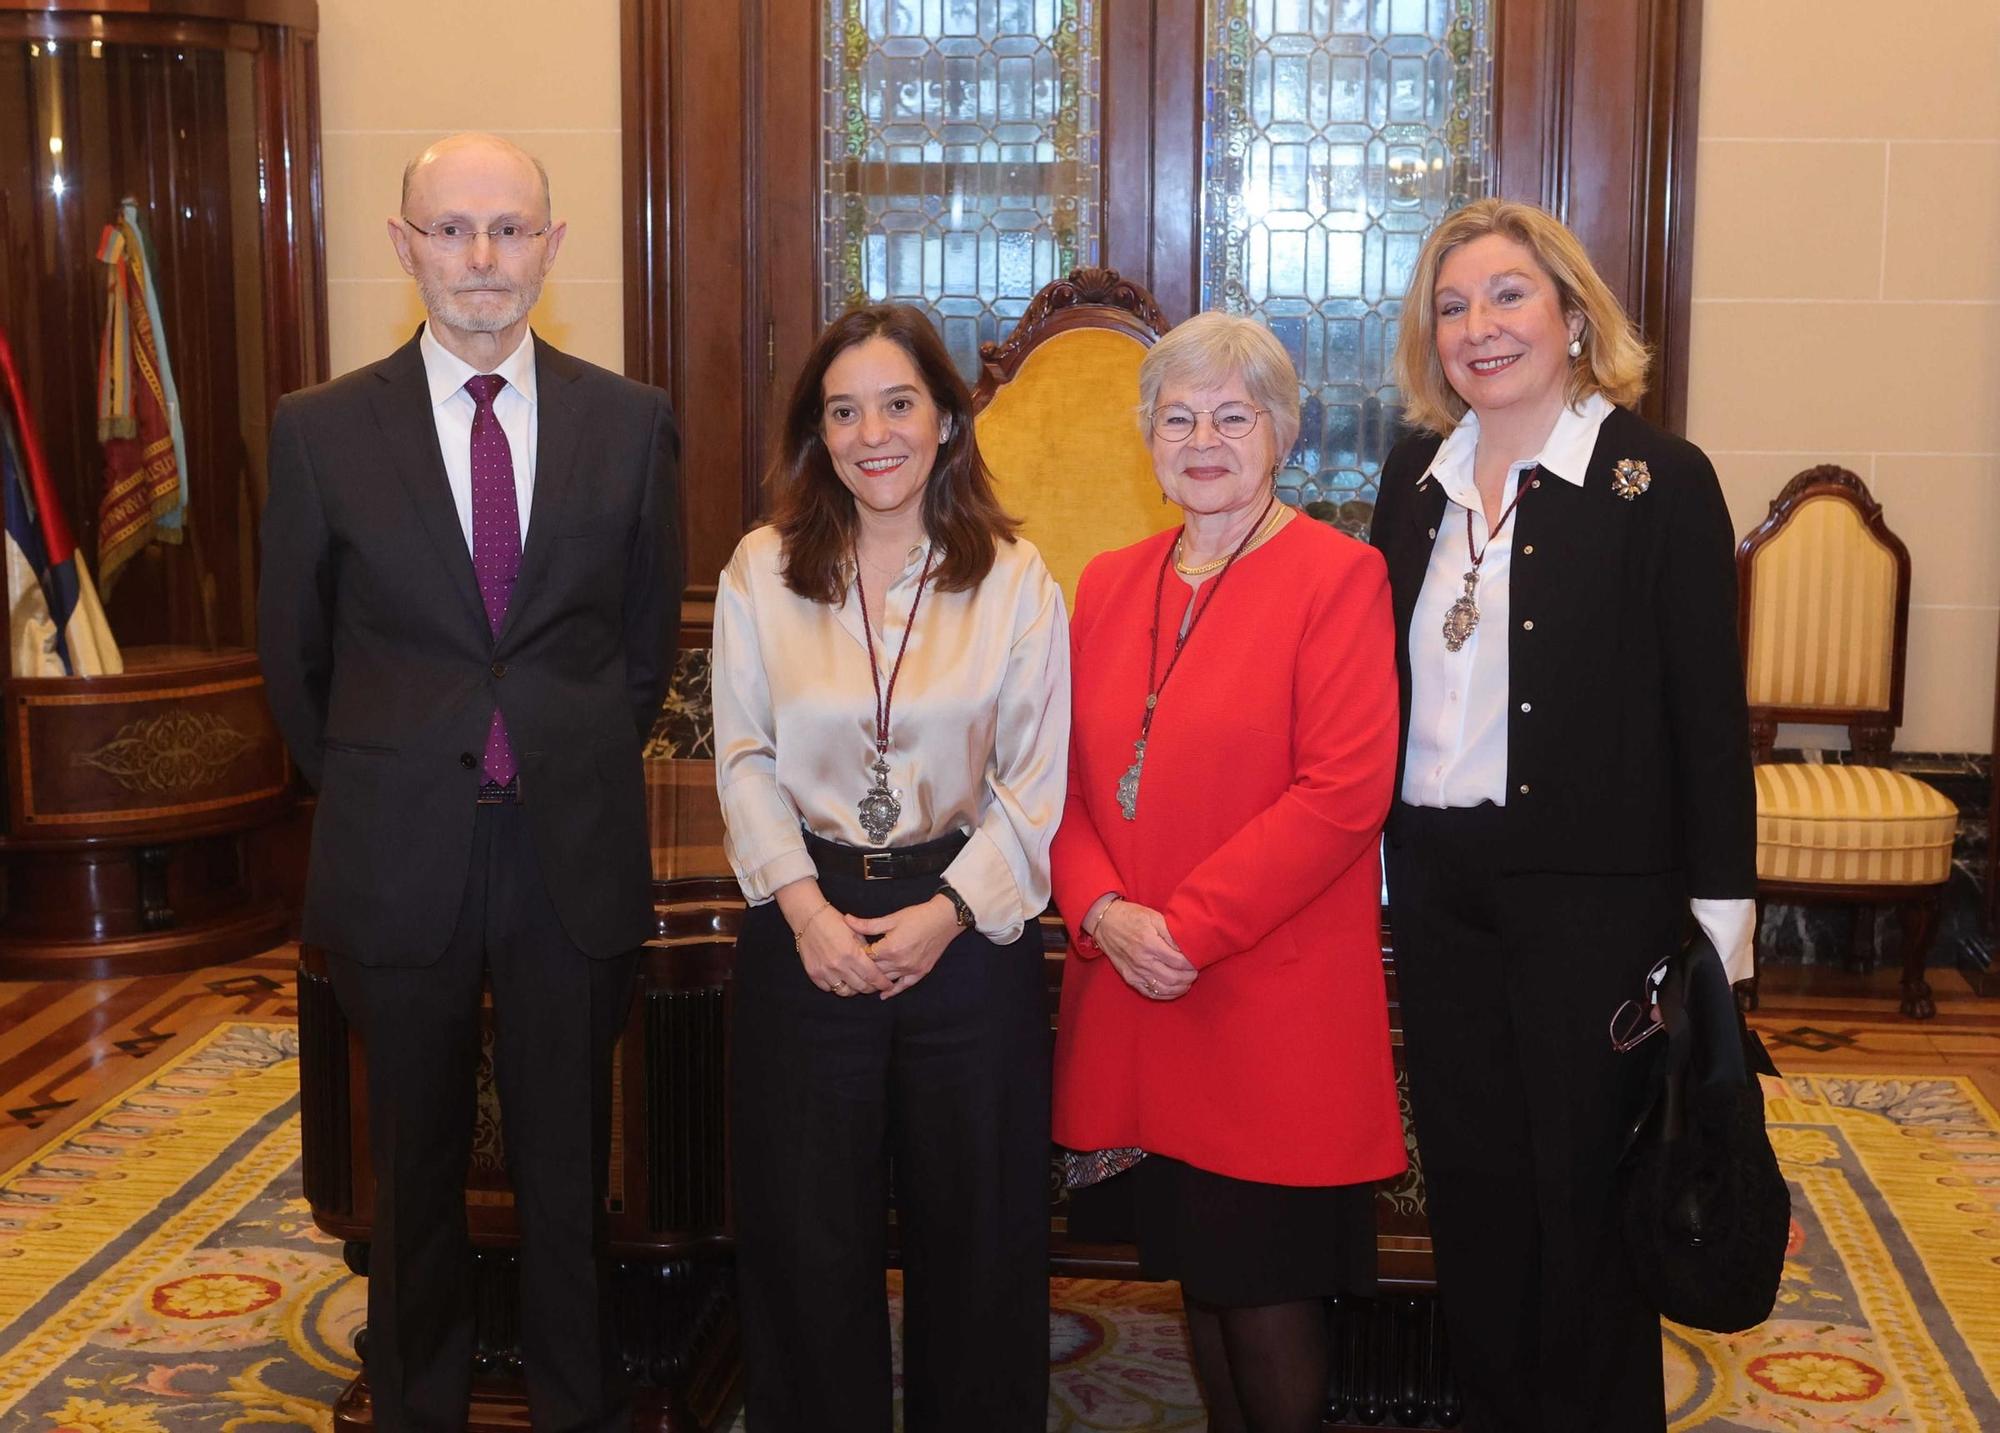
column 383, row 672
column 1632, row 756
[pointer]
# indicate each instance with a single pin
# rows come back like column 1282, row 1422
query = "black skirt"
column 1234, row 1242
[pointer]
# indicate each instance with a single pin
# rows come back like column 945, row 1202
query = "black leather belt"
column 495, row 793
column 893, row 864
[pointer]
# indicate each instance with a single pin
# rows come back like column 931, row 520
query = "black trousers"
column 1507, row 985
column 948, row 1086
column 557, row 1014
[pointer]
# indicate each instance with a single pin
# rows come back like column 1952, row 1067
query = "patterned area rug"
column 160, row 1273
column 159, row 1269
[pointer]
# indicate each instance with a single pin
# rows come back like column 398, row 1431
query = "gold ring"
column 839, row 986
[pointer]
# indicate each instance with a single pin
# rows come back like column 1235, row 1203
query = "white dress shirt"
column 979, row 724
column 1458, row 700
column 452, row 408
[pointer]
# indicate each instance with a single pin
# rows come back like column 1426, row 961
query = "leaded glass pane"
column 960, row 157
column 1337, row 133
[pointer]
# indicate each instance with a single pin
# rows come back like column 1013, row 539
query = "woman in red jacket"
column 1224, row 1036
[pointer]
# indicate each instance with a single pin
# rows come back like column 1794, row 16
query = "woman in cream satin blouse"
column 1574, row 793
column 891, row 721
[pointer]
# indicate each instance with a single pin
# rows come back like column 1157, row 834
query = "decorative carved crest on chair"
column 1088, row 298
column 1824, row 478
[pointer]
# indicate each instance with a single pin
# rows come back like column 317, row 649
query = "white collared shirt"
column 1457, row 752
column 1458, row 700
column 452, row 409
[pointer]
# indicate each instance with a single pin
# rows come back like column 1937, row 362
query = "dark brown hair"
column 813, row 510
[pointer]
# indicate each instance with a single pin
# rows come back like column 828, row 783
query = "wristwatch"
column 958, row 905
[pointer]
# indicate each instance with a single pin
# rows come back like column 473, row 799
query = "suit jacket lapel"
column 558, row 425
column 403, row 409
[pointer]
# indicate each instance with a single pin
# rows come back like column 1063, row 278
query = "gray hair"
column 541, row 173
column 1211, row 348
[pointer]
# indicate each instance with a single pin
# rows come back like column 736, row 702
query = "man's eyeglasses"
column 1232, row 420
column 453, row 237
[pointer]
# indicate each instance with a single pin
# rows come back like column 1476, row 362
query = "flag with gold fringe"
column 138, row 410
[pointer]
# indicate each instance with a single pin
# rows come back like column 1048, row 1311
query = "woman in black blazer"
column 1574, row 792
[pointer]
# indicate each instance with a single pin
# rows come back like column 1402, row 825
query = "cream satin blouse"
column 979, row 729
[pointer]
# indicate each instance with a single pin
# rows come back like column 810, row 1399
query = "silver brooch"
column 1630, row 478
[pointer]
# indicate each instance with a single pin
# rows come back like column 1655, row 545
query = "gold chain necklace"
column 1203, row 569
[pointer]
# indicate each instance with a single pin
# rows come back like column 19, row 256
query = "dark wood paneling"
column 1125, row 148
column 1594, row 120
column 790, row 268
column 713, row 336
column 1174, row 275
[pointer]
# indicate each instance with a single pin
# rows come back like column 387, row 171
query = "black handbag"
column 1706, row 1212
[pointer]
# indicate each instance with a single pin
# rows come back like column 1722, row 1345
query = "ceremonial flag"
column 138, row 410
column 55, row 625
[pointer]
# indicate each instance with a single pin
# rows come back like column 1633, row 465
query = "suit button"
column 1434, row 533
column 1527, row 706
column 467, row 760
column 499, row 669
column 1529, row 625
column 1528, row 551
column 1524, row 788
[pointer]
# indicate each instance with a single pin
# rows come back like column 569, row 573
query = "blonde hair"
column 1212, row 347
column 1613, row 362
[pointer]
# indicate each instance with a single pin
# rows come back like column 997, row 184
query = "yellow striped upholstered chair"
column 1825, row 621
column 1058, row 425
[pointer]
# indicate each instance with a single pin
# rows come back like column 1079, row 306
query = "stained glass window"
column 960, row 157
column 1337, row 133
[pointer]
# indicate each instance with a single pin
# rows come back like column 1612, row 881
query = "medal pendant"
column 1128, row 784
column 1461, row 619
column 879, row 809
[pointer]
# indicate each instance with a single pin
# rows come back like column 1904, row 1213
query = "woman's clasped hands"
column 836, row 959
column 908, row 942
column 881, row 955
column 1136, row 939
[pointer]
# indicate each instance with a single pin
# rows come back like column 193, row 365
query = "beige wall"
column 1846, row 297
column 395, row 74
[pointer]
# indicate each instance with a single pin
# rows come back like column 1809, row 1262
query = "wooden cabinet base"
column 137, row 808
column 236, row 936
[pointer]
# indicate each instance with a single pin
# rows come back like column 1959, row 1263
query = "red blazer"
column 1267, row 778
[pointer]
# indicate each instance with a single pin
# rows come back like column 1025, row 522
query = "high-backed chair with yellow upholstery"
column 1058, row 424
column 1825, row 623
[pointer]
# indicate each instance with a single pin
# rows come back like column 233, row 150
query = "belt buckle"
column 868, row 871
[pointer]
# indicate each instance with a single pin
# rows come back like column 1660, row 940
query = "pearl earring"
column 1576, row 348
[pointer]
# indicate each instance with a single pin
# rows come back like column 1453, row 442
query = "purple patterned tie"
column 496, row 541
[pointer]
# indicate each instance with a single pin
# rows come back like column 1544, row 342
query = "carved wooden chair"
column 1824, row 620
column 1058, row 425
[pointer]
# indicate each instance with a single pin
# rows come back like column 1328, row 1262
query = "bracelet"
column 1115, row 899
column 799, row 935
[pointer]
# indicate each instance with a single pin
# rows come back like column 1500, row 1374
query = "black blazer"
column 383, row 672
column 1628, row 735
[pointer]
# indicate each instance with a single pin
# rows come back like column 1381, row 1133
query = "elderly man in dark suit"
column 468, row 614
